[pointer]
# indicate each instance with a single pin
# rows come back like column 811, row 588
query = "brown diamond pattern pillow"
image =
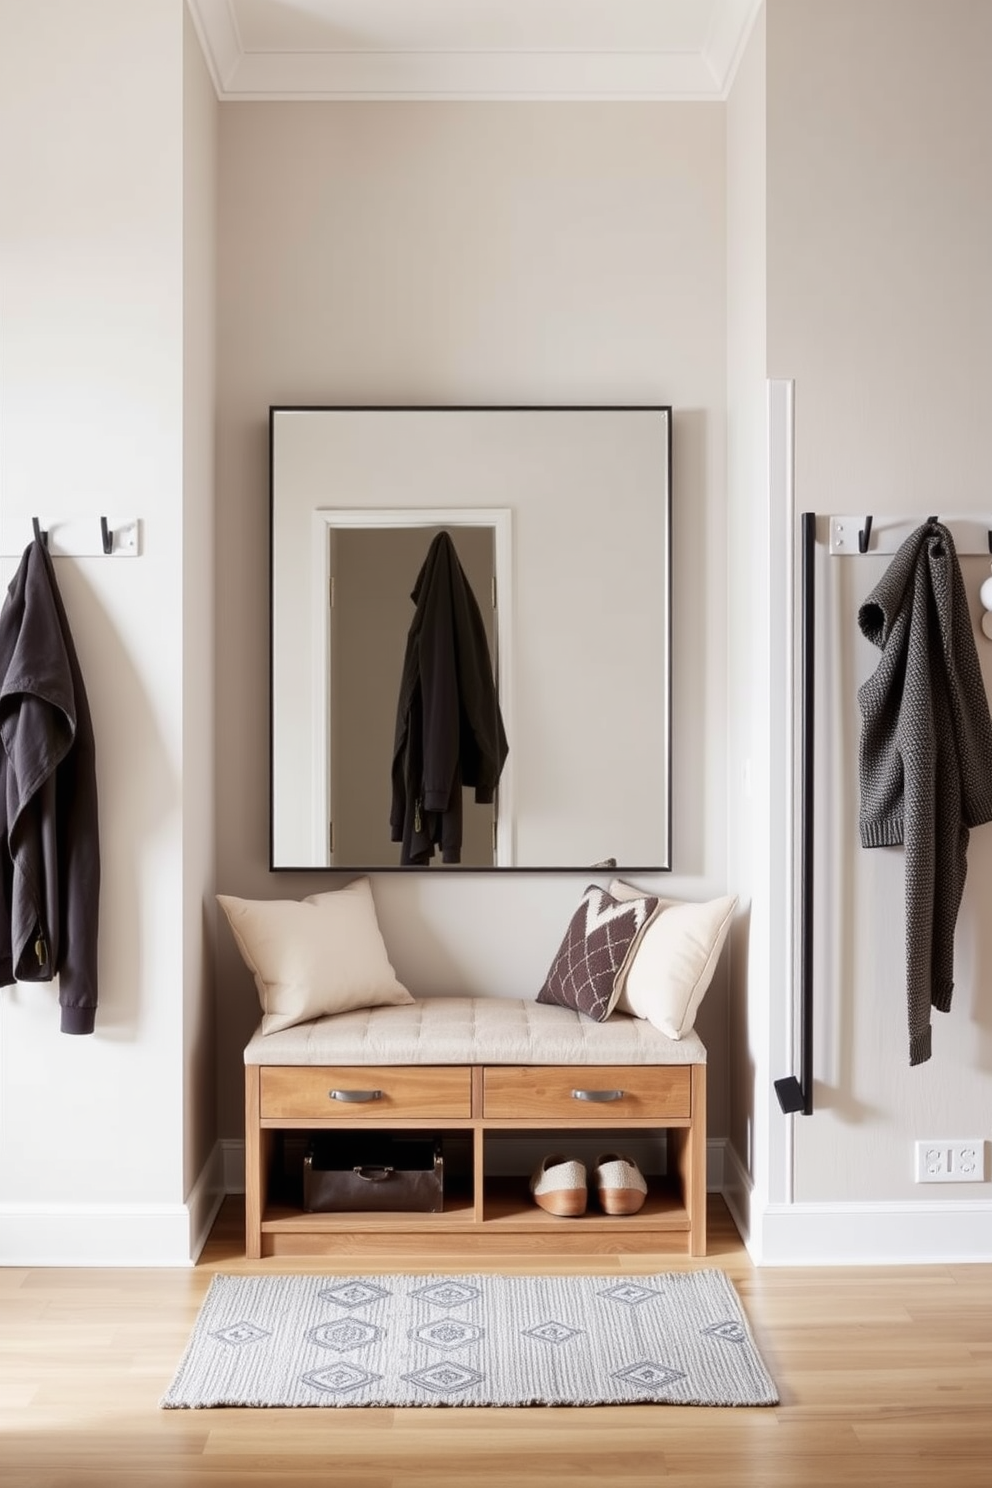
column 601, row 937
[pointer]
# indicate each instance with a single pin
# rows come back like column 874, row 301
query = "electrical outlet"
column 951, row 1162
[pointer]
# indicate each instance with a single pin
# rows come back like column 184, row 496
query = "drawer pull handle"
column 373, row 1175
column 598, row 1095
column 355, row 1095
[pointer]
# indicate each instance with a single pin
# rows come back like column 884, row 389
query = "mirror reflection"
column 551, row 530
column 414, row 694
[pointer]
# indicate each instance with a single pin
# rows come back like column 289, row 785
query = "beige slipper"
column 620, row 1185
column 559, row 1186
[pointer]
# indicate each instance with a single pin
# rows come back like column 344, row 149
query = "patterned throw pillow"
column 600, row 939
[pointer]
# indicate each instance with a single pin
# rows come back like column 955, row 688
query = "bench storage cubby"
column 477, row 1074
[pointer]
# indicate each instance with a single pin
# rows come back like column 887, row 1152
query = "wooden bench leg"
column 687, row 1154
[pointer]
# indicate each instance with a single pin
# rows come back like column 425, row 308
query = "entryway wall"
column 859, row 230
column 477, row 252
column 470, row 253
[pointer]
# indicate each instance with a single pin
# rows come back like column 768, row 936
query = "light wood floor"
column 885, row 1376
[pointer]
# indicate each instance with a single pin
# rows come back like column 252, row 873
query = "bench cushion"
column 472, row 1030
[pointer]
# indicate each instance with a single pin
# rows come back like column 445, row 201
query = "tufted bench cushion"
column 472, row 1030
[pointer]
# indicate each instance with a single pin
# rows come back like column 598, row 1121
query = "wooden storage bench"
column 477, row 1072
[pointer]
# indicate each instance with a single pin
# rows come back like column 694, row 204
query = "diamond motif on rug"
column 355, row 1293
column 240, row 1333
column 729, row 1331
column 349, row 1333
column 552, row 1332
column 448, row 1293
column 648, row 1375
column 445, row 1378
column 447, row 1333
column 630, row 1294
column 339, row 1379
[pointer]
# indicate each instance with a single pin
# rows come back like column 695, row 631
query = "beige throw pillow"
column 315, row 956
column 673, row 964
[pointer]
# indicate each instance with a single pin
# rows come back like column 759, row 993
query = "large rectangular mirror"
column 532, row 548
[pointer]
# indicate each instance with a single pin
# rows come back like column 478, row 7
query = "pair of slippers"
column 561, row 1185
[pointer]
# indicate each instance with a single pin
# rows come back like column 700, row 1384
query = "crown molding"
column 381, row 73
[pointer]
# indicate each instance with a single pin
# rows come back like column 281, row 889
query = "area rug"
column 679, row 1338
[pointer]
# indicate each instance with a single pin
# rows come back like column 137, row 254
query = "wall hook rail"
column 72, row 537
column 849, row 534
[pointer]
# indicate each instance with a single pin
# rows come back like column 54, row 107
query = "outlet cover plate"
column 942, row 1161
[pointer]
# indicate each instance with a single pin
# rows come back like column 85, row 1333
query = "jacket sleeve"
column 484, row 746
column 50, row 812
column 969, row 707
column 439, row 685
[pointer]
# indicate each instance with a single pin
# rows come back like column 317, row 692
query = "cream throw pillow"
column 319, row 955
column 673, row 964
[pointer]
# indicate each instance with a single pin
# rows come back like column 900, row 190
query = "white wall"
column 469, row 253
column 756, row 785
column 91, row 422
column 880, row 306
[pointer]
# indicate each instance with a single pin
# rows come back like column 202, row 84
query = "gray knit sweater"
column 925, row 754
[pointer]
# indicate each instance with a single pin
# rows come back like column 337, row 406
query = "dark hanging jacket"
column 449, row 729
column 49, row 842
column 925, row 754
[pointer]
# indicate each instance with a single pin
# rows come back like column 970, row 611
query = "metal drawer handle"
column 598, row 1095
column 373, row 1175
column 355, row 1095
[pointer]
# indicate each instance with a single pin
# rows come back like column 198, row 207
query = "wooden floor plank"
column 885, row 1376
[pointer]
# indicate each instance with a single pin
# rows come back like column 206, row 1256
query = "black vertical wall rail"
column 797, row 1094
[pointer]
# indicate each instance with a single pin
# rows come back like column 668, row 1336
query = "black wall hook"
column 40, row 534
column 864, row 536
column 107, row 536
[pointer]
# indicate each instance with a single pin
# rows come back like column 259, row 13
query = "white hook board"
column 72, row 537
column 970, row 534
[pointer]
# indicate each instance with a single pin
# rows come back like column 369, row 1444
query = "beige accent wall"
column 469, row 253
column 756, row 786
column 200, row 113
column 880, row 306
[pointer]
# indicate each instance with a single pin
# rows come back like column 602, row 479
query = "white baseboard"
column 897, row 1233
column 737, row 1191
column 824, row 1234
column 94, row 1235
column 114, row 1234
column 884, row 1234
column 205, row 1198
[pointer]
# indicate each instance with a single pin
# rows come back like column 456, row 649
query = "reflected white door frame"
column 324, row 520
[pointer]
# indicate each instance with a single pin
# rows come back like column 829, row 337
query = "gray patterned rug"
column 680, row 1338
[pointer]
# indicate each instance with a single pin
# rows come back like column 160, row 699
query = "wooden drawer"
column 600, row 1093
column 377, row 1092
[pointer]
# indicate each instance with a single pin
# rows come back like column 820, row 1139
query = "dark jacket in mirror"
column 449, row 728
